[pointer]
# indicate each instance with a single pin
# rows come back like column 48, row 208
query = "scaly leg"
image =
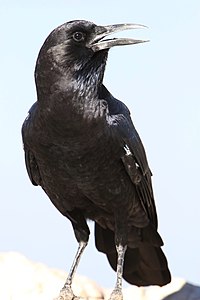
column 66, row 293
column 117, row 292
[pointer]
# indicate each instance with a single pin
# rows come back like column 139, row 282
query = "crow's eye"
column 78, row 36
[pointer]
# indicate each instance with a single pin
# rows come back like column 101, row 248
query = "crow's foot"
column 116, row 295
column 67, row 294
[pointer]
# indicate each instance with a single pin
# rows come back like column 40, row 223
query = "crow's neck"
column 72, row 101
column 79, row 74
column 70, row 90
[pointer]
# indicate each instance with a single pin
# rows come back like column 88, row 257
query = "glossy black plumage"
column 82, row 148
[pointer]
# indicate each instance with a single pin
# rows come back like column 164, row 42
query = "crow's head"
column 79, row 49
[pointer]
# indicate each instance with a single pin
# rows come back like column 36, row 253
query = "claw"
column 67, row 294
column 116, row 294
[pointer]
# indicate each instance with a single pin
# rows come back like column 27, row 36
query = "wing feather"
column 30, row 160
column 134, row 158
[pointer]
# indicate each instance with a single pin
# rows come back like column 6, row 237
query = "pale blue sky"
column 159, row 81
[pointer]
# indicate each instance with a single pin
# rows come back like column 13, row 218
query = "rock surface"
column 21, row 279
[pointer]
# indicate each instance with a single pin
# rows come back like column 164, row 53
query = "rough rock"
column 22, row 279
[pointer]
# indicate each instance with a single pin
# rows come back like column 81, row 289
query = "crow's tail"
column 143, row 266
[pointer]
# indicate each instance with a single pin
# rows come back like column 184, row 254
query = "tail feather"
column 144, row 265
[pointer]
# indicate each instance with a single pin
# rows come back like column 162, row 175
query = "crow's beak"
column 99, row 43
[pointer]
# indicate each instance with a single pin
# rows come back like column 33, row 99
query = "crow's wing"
column 30, row 161
column 32, row 168
column 134, row 158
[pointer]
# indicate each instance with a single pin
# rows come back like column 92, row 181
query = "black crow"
column 82, row 148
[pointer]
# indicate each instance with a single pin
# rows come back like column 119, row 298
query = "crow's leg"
column 117, row 292
column 121, row 230
column 66, row 293
column 75, row 263
column 82, row 232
